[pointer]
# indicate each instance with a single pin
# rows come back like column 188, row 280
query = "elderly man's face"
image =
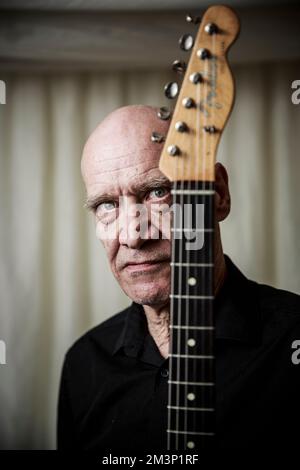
column 120, row 160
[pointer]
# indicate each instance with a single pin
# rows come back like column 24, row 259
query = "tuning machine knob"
column 193, row 19
column 188, row 103
column 211, row 28
column 179, row 66
column 157, row 138
column 181, row 126
column 203, row 54
column 171, row 90
column 196, row 78
column 186, row 42
column 173, row 150
column 164, row 113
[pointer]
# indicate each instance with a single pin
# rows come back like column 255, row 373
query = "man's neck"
column 158, row 319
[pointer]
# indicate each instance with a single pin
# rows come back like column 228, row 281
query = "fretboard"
column 191, row 399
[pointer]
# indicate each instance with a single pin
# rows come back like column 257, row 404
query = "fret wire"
column 191, row 432
column 189, row 408
column 206, row 192
column 180, row 296
column 186, row 327
column 192, row 230
column 188, row 356
column 193, row 265
column 200, row 384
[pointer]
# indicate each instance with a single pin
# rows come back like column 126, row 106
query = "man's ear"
column 222, row 200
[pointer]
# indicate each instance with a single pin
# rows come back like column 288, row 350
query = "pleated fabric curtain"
column 55, row 281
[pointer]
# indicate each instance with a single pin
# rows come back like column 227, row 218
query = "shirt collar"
column 237, row 319
column 135, row 338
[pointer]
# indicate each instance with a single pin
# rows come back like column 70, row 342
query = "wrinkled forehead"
column 122, row 145
column 120, row 162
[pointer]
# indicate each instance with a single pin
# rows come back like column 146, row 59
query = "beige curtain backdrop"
column 54, row 279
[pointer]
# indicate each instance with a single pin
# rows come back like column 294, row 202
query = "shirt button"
column 164, row 373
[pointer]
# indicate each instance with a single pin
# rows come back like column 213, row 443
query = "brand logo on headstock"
column 211, row 76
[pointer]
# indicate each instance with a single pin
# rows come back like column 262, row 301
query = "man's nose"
column 134, row 225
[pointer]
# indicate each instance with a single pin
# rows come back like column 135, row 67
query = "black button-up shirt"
column 114, row 383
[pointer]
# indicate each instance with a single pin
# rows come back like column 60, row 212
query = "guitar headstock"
column 204, row 101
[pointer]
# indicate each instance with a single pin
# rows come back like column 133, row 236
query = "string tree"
column 210, row 129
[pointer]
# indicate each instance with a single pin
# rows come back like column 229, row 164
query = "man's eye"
column 107, row 206
column 158, row 193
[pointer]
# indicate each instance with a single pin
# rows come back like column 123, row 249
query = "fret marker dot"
column 191, row 342
column 191, row 396
column 191, row 445
column 192, row 281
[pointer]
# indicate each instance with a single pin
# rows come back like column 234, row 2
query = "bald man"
column 113, row 393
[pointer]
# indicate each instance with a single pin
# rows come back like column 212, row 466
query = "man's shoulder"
column 277, row 300
column 279, row 311
column 102, row 336
column 270, row 299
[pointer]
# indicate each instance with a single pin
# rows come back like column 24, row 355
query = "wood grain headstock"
column 204, row 101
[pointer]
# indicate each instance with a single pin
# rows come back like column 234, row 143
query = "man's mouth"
column 147, row 265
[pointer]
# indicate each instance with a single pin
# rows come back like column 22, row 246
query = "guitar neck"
column 191, row 398
column 188, row 160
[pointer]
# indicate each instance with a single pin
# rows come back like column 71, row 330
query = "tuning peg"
column 211, row 28
column 210, row 129
column 179, row 66
column 181, row 126
column 188, row 103
column 164, row 113
column 171, row 90
column 173, row 150
column 157, row 138
column 193, row 19
column 186, row 42
column 196, row 78
column 203, row 54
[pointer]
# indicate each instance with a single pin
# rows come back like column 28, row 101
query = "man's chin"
column 151, row 298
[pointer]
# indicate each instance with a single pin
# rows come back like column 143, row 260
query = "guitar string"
column 172, row 300
column 194, row 371
column 211, row 76
column 179, row 303
column 189, row 220
column 202, row 199
column 207, row 279
column 174, row 279
column 212, row 254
